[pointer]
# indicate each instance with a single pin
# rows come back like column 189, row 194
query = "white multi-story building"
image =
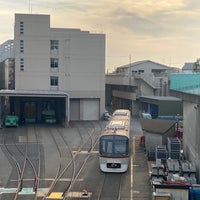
column 6, row 50
column 61, row 60
column 126, row 86
column 7, row 65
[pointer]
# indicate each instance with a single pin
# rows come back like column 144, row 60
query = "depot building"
column 52, row 72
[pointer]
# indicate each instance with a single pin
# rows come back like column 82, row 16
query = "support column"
column 67, row 117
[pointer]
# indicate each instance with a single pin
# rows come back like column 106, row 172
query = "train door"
column 30, row 112
column 48, row 111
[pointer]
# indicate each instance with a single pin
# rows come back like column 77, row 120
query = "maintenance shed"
column 161, row 106
column 35, row 106
column 156, row 131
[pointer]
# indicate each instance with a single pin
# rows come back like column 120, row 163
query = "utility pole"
column 29, row 6
column 129, row 73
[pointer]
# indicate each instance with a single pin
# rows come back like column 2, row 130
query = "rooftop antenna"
column 129, row 71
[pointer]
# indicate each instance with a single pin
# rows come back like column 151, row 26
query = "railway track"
column 72, row 168
column 63, row 149
column 76, row 159
column 26, row 168
column 111, row 185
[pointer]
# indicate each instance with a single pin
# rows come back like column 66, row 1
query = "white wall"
column 152, row 140
column 81, row 57
column 147, row 67
column 191, row 133
column 36, row 52
column 146, row 90
column 176, row 194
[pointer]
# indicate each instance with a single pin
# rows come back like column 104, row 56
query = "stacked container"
column 161, row 153
column 173, row 168
column 174, row 147
column 157, row 172
column 151, row 154
column 188, row 171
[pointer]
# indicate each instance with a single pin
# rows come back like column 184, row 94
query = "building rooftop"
column 33, row 92
column 188, row 66
column 143, row 61
column 162, row 98
column 157, row 126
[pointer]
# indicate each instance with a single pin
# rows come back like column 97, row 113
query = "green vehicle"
column 50, row 119
column 11, row 121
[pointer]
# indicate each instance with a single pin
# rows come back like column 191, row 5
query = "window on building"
column 21, row 46
column 21, row 27
column 54, row 62
column 141, row 71
column 8, row 46
column 21, row 64
column 54, row 44
column 5, row 47
column 54, row 81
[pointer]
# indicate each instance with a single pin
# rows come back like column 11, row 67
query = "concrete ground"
column 141, row 181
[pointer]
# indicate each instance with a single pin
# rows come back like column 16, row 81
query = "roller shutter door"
column 90, row 109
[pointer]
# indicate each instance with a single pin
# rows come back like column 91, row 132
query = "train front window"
column 109, row 147
column 120, row 147
column 114, row 146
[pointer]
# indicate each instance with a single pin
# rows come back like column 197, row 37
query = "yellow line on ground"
column 55, row 195
column 132, row 159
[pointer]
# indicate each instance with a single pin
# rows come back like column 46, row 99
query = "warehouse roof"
column 161, row 98
column 157, row 126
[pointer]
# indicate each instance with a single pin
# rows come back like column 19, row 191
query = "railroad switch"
column 21, row 186
column 35, row 186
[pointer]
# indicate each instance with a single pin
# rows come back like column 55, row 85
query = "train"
column 114, row 143
column 11, row 121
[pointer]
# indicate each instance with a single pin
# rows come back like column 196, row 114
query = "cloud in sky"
column 162, row 31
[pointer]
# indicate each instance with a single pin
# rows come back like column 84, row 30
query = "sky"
column 163, row 31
